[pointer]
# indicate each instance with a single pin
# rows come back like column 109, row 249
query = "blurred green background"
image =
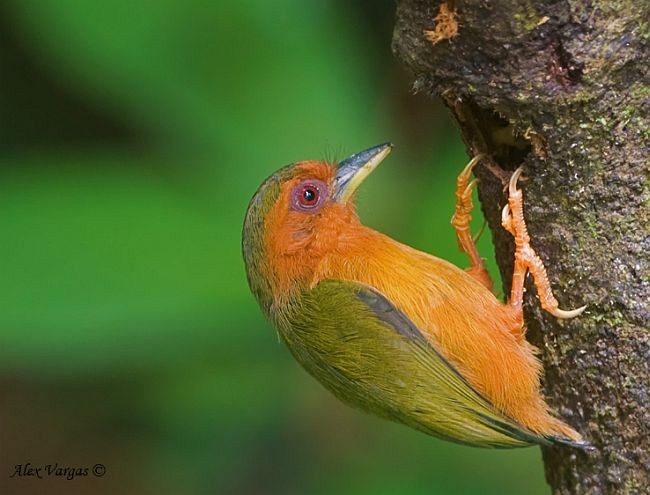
column 132, row 135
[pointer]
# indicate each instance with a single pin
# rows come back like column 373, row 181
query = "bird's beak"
column 352, row 171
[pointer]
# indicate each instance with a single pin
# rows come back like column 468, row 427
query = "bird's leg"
column 461, row 221
column 512, row 219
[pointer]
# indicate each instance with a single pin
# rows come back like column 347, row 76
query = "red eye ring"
column 309, row 196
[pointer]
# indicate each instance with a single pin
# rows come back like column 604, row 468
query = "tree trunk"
column 562, row 88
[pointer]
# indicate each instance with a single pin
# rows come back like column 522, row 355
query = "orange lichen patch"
column 446, row 25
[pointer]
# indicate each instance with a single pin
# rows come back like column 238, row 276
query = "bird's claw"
column 526, row 260
column 565, row 314
column 461, row 220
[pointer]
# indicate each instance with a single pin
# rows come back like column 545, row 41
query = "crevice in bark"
column 564, row 69
column 487, row 130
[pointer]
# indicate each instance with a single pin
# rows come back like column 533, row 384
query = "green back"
column 370, row 355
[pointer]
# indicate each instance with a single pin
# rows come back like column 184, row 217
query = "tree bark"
column 562, row 88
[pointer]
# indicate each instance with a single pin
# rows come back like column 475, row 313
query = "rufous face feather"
column 306, row 218
column 311, row 215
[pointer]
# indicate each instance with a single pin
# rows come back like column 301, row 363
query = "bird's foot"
column 461, row 222
column 526, row 259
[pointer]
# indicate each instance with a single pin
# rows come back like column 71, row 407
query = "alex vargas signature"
column 30, row 470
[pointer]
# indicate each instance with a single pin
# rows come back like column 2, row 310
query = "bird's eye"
column 309, row 195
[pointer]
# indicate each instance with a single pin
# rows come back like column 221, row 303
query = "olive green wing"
column 370, row 355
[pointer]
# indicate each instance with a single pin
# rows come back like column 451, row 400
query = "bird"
column 392, row 330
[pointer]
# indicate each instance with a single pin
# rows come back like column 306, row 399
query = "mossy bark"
column 562, row 88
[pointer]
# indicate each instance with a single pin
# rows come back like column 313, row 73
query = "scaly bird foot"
column 461, row 220
column 526, row 259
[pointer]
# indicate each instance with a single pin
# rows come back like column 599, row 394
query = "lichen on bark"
column 562, row 88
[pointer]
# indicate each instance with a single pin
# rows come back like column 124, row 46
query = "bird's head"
column 298, row 215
